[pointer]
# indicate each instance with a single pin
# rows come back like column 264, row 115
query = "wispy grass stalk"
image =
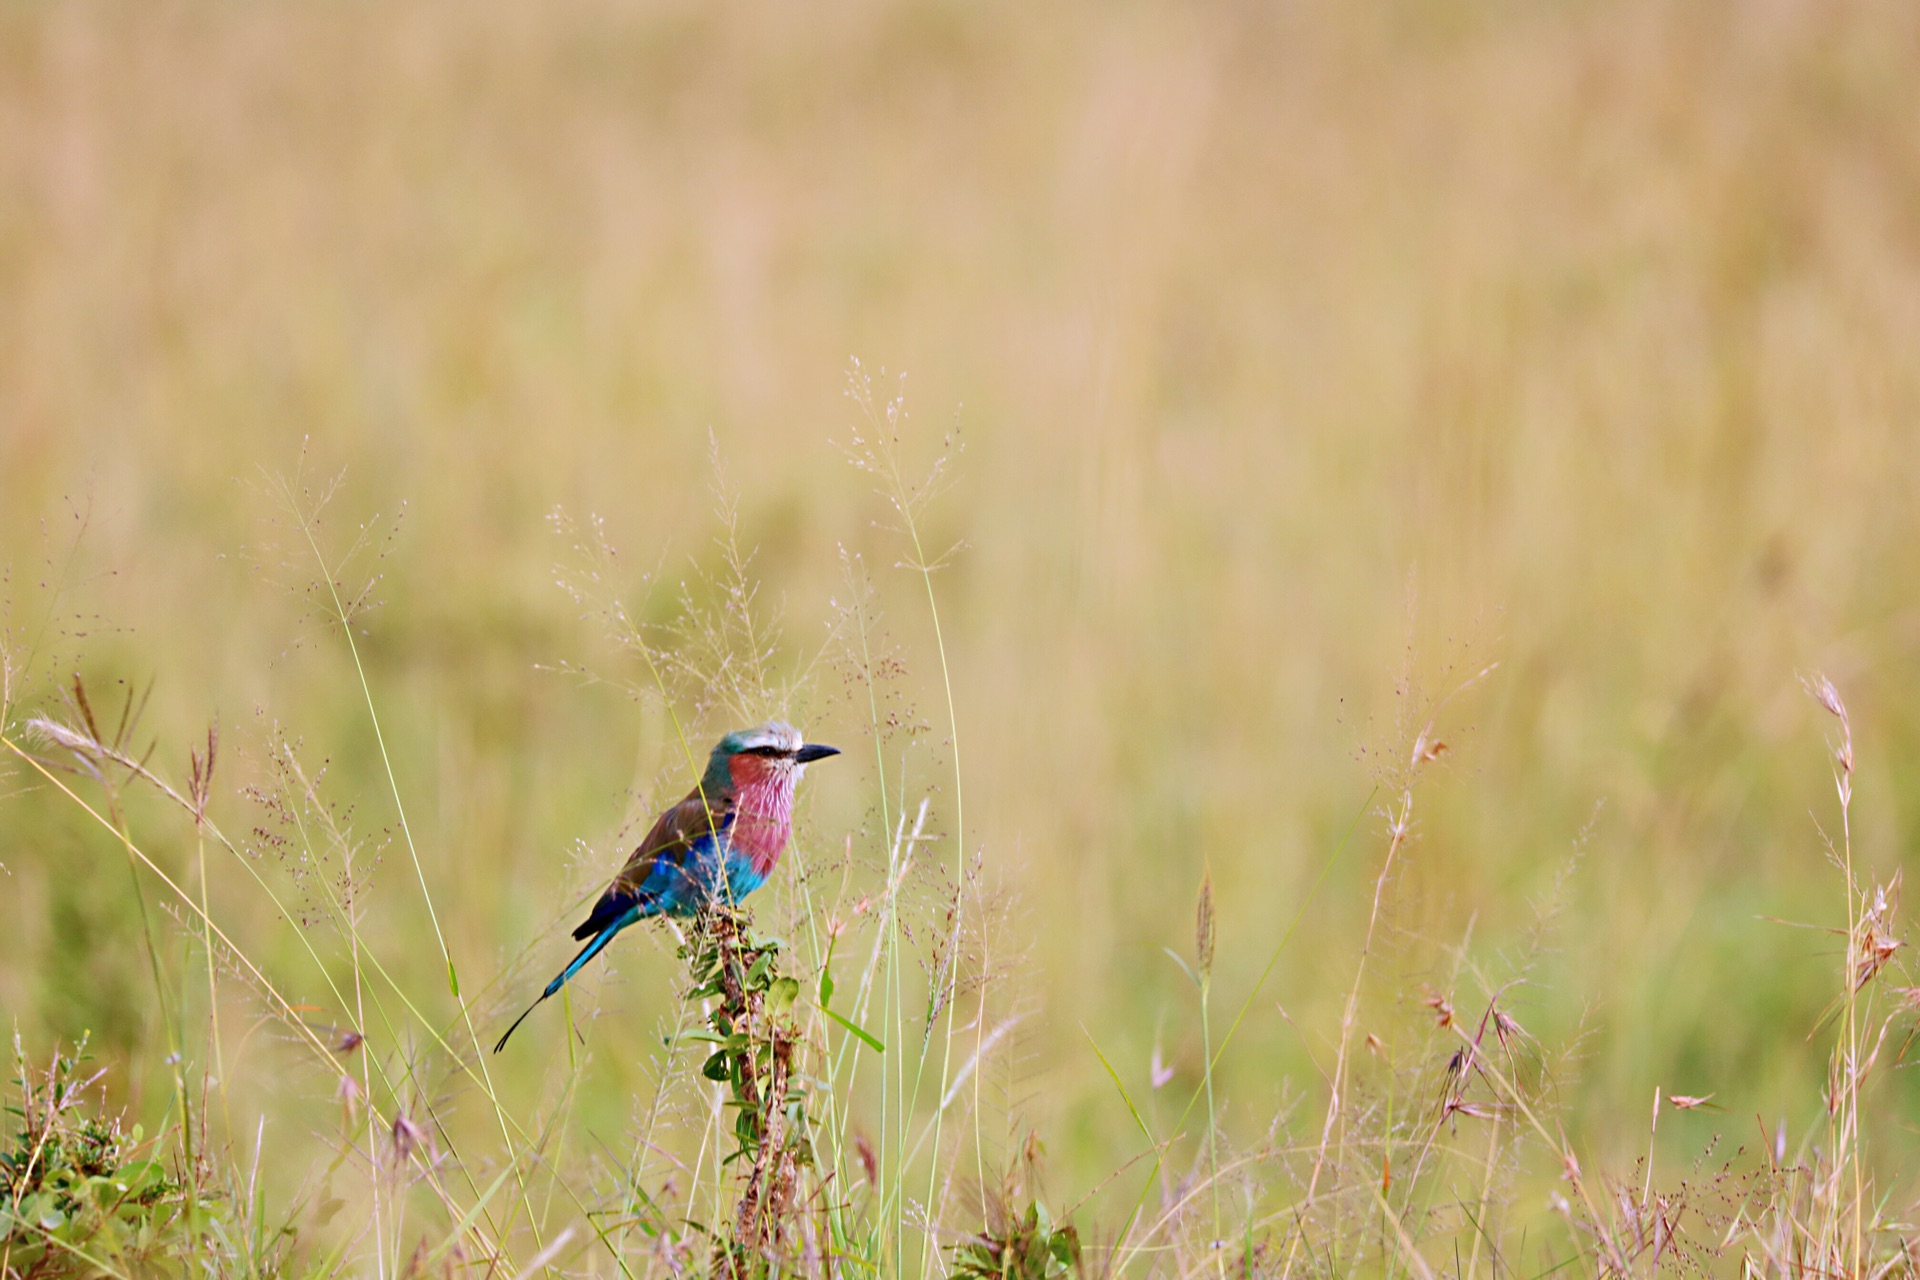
column 877, row 452
column 306, row 520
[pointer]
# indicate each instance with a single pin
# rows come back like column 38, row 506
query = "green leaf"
column 861, row 1035
column 140, row 1175
column 1124, row 1095
column 826, row 970
column 718, row 1067
column 453, row 979
column 459, row 1228
column 781, row 995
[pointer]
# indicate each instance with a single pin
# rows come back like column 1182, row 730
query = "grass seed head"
column 1203, row 928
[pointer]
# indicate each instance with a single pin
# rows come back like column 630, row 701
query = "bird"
column 716, row 846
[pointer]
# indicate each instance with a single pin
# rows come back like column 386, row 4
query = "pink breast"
column 763, row 811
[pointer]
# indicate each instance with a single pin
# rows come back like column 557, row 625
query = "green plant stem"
column 949, row 976
column 1213, row 1117
column 1339, row 851
column 342, row 616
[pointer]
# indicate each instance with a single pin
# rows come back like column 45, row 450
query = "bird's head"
column 774, row 750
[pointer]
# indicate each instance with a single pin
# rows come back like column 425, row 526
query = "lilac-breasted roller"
column 717, row 845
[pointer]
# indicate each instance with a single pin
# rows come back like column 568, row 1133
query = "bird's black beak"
column 814, row 751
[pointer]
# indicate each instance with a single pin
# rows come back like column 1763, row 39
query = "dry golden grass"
column 1304, row 360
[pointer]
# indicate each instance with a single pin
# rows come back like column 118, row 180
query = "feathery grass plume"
column 877, row 446
column 1846, row 1220
column 708, row 644
column 1341, row 1117
column 1203, row 929
column 78, row 741
column 327, row 897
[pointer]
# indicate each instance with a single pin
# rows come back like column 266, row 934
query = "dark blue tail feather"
column 588, row 952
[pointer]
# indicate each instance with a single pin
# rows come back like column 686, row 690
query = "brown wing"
column 671, row 836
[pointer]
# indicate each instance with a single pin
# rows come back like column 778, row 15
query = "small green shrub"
column 1025, row 1247
column 78, row 1194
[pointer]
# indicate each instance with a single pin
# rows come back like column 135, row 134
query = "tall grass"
column 1297, row 346
column 1584, row 322
column 832, row 1127
column 417, row 1060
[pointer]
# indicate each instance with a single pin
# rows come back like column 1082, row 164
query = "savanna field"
column 1362, row 559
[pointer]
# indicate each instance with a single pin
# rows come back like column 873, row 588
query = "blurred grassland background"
column 1305, row 358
